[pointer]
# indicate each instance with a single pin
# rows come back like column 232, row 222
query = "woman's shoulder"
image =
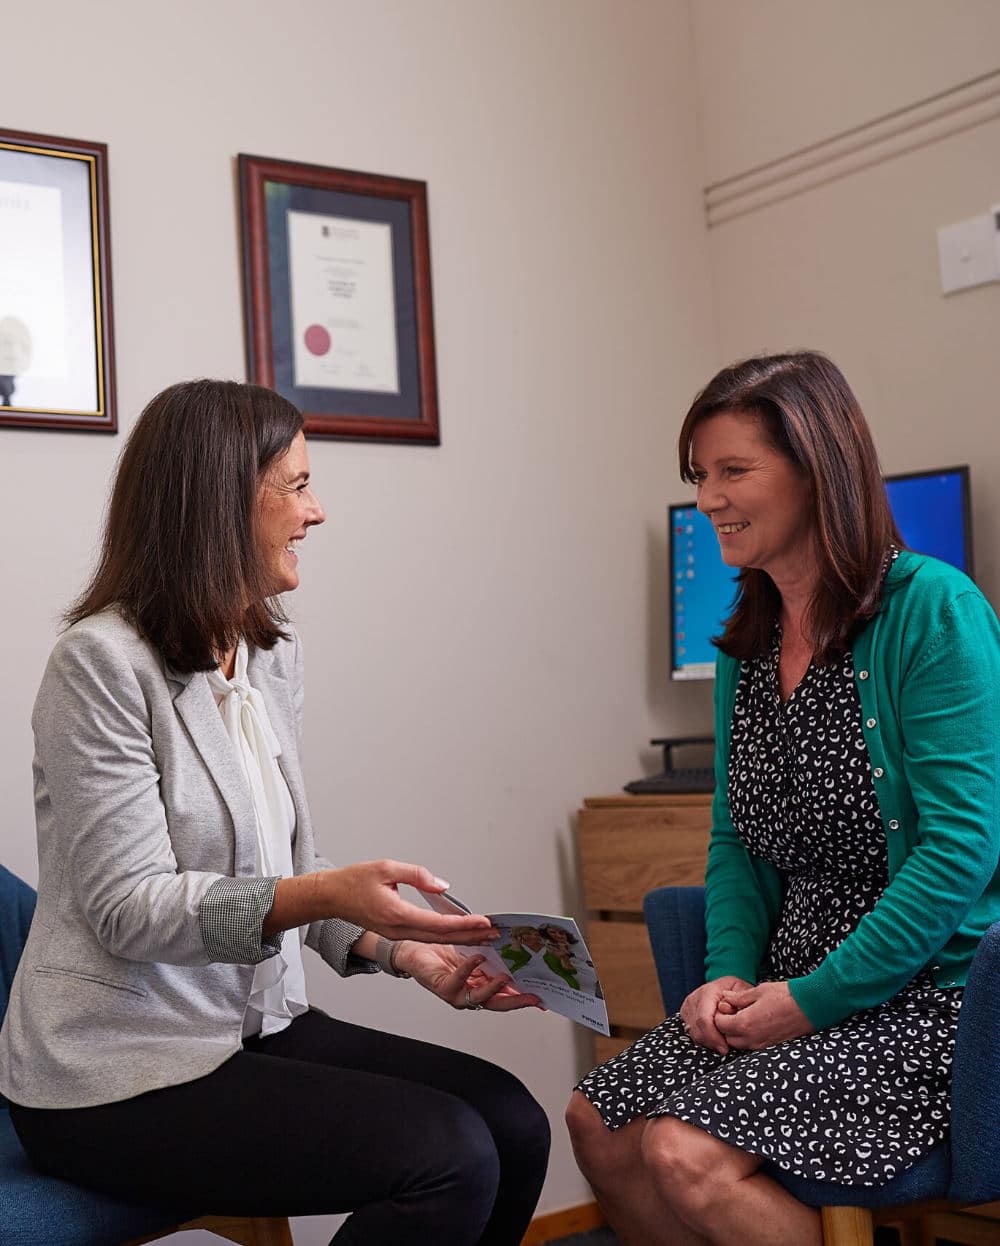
column 105, row 634
column 101, row 658
column 926, row 599
column 917, row 579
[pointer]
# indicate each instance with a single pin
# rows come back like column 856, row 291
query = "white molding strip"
column 927, row 121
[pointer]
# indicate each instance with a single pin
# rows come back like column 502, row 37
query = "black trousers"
column 423, row 1144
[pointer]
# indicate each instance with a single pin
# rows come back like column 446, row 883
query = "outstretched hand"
column 460, row 980
column 759, row 1016
column 367, row 894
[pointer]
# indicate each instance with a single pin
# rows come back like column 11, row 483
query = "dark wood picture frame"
column 270, row 192
column 48, row 194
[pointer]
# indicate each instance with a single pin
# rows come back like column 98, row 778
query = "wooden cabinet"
column 627, row 846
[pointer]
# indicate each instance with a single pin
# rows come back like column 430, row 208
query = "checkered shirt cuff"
column 336, row 940
column 232, row 919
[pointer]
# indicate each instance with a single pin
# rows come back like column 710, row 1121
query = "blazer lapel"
column 196, row 706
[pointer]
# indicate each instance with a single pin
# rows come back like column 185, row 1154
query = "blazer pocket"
column 90, row 977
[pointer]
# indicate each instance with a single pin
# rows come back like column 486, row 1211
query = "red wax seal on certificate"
column 317, row 340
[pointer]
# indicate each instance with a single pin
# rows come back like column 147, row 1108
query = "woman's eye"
column 735, row 471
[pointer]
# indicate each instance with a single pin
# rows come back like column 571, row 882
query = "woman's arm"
column 367, row 895
column 949, row 709
column 99, row 804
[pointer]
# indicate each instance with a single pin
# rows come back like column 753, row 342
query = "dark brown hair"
column 810, row 415
column 179, row 557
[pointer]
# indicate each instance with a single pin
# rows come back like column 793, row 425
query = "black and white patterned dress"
column 856, row 1103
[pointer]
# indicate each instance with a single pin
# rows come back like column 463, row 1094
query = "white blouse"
column 279, row 988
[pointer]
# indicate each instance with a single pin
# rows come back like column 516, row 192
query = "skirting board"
column 559, row 1224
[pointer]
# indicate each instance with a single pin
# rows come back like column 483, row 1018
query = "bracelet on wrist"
column 385, row 957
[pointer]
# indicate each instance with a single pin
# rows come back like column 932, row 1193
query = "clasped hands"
column 729, row 1014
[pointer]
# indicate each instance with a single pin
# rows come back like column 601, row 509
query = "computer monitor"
column 702, row 592
column 933, row 513
column 931, row 509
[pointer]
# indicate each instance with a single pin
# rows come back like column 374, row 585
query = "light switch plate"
column 969, row 253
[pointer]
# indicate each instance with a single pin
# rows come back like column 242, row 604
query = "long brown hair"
column 810, row 415
column 179, row 557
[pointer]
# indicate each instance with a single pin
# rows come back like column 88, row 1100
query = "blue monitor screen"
column 702, row 592
column 931, row 510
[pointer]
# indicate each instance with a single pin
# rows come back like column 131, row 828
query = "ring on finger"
column 469, row 1003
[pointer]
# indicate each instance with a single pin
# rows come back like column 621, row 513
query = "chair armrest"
column 675, row 919
column 975, row 1097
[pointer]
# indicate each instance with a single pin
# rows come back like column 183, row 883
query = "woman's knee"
column 601, row 1153
column 516, row 1119
column 466, row 1137
column 689, row 1167
column 529, row 1131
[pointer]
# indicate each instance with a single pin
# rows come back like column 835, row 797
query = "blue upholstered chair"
column 36, row 1210
column 962, row 1171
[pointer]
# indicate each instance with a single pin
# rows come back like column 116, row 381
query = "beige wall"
column 482, row 620
column 775, row 75
column 850, row 265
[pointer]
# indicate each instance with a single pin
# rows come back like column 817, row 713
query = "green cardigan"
column 927, row 671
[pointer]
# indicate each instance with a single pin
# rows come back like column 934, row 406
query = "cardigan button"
column 893, row 824
column 862, row 674
column 870, row 723
column 878, row 772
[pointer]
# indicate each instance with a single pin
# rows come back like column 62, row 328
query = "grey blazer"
column 139, row 963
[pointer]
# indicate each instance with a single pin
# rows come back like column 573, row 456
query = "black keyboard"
column 684, row 779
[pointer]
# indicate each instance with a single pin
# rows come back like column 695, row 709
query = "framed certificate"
column 56, row 347
column 337, row 288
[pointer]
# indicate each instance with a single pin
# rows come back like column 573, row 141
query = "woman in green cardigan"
column 855, row 841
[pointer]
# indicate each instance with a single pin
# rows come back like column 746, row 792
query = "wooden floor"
column 560, row 1225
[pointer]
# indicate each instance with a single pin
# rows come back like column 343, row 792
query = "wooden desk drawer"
column 624, row 964
column 619, row 864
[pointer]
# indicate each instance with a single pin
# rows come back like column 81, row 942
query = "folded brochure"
column 546, row 956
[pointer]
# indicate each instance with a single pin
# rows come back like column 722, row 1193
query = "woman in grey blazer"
column 159, row 1044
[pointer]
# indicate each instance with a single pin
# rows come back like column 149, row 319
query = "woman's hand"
column 700, row 1011
column 760, row 1016
column 458, row 979
column 367, row 895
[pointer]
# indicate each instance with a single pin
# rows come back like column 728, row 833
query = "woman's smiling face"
column 286, row 509
column 758, row 500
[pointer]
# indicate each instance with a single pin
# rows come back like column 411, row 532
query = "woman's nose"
column 710, row 498
column 316, row 514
